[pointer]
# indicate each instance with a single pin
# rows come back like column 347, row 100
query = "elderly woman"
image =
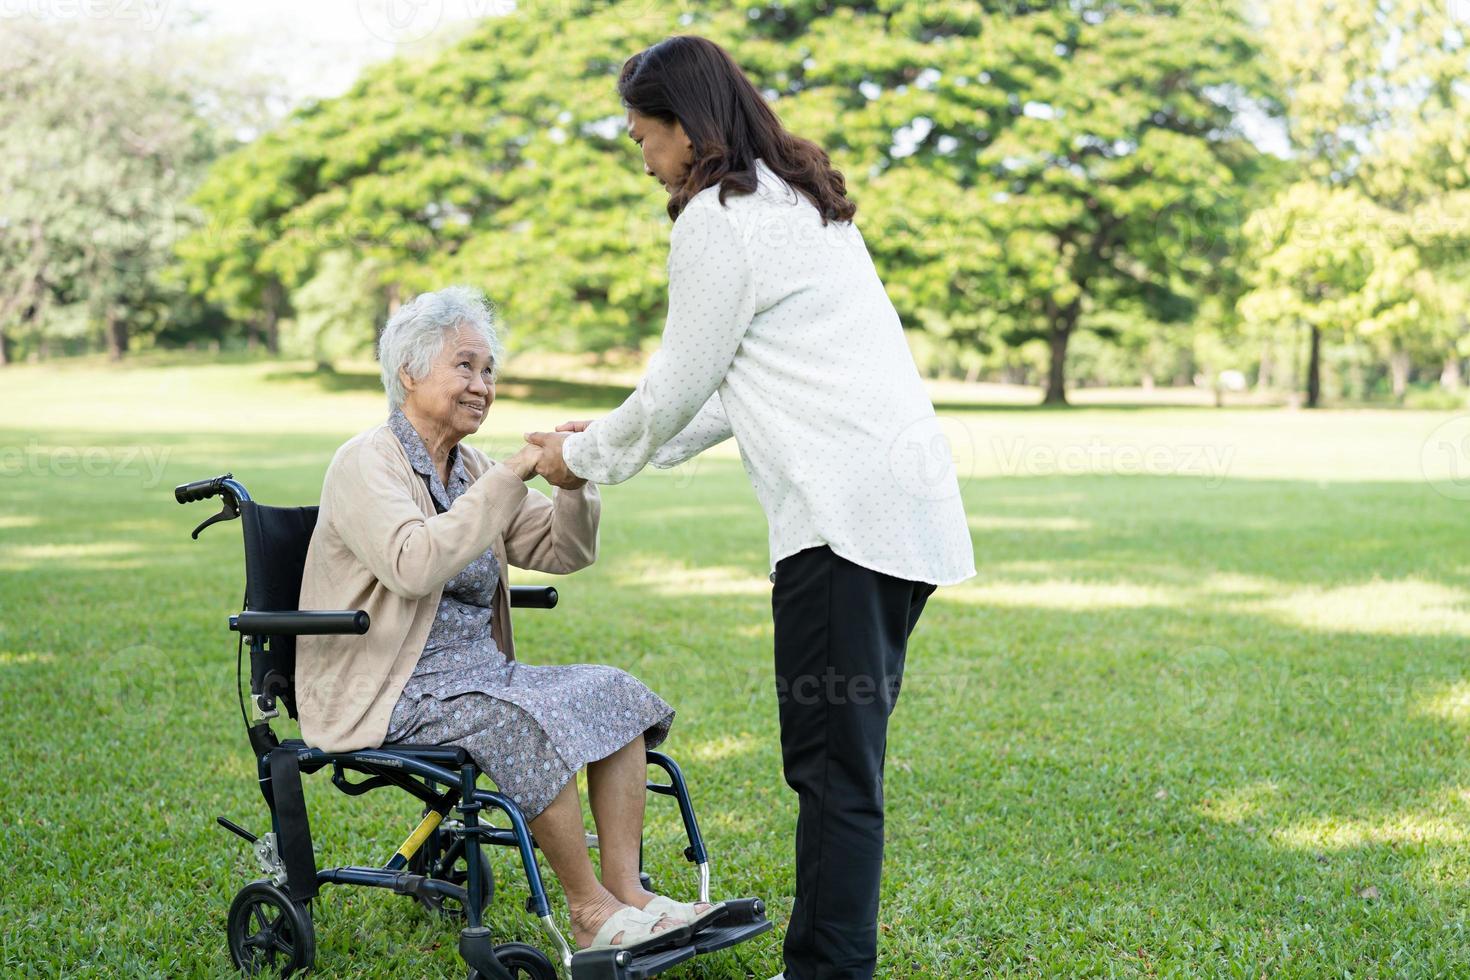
column 417, row 528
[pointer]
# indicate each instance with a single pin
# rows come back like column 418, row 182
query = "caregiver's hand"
column 551, row 465
column 578, row 426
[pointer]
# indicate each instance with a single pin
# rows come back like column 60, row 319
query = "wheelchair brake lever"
column 229, row 512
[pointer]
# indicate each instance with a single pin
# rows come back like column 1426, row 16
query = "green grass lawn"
column 1202, row 713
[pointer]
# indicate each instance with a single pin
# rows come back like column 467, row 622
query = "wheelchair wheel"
column 430, row 861
column 268, row 930
column 522, row 962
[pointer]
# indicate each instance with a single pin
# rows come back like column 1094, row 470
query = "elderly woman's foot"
column 589, row 918
column 696, row 915
column 682, row 908
column 680, row 913
column 639, row 897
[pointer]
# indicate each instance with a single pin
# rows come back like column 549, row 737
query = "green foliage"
column 1317, row 249
column 100, row 154
column 1016, row 171
column 1373, row 244
column 330, row 307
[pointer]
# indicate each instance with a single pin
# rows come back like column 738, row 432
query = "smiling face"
column 458, row 390
column 667, row 151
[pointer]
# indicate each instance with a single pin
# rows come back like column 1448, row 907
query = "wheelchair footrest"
column 744, row 919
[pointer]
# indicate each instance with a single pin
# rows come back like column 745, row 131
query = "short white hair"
column 417, row 331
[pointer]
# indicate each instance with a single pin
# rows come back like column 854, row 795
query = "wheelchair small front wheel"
column 522, row 962
column 268, row 930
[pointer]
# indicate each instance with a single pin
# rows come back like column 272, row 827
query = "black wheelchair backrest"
column 276, row 539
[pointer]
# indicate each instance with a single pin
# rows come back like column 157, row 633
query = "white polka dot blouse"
column 780, row 334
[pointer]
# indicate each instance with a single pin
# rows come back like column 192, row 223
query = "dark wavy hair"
column 694, row 81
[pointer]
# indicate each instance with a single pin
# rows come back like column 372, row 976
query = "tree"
column 1016, row 171
column 1334, row 263
column 100, row 153
column 1377, row 102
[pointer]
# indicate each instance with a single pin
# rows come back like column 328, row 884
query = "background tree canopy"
column 1029, row 179
column 1016, row 175
column 99, row 155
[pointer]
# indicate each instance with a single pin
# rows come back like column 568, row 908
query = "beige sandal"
column 637, row 929
column 684, row 913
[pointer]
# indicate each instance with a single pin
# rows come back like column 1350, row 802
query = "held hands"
column 548, row 461
column 524, row 462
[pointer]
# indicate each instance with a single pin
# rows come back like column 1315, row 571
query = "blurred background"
column 1247, row 201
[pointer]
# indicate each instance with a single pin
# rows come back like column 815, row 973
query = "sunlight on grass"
column 1407, row 607
column 1404, row 607
column 11, row 522
column 1451, row 704
column 724, row 747
column 1063, row 594
column 668, row 578
column 1410, row 827
column 992, row 522
column 13, row 658
column 1237, row 805
column 99, row 554
column 1225, row 584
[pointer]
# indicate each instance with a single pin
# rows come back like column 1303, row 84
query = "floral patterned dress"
column 529, row 728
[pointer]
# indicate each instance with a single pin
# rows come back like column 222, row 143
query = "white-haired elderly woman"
column 418, row 528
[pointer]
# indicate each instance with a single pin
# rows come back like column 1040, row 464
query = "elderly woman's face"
column 458, row 389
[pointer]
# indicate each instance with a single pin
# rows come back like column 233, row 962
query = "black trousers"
column 841, row 635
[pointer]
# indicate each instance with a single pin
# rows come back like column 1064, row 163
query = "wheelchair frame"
column 444, row 779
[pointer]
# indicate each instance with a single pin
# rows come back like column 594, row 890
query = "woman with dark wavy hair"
column 779, row 333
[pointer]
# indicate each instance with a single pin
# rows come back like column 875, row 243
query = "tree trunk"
column 4, row 350
column 117, row 335
column 1314, row 368
column 1357, row 378
column 1056, row 378
column 271, row 317
column 1398, row 368
column 1450, row 378
column 1265, row 374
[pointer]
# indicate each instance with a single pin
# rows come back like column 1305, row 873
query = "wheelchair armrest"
column 533, row 597
column 254, row 622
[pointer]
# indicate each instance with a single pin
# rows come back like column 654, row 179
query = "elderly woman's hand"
column 551, row 465
column 525, row 461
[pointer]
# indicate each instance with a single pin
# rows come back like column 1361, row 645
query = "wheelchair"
column 441, row 862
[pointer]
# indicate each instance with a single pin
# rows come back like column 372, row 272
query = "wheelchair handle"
column 188, row 493
column 224, row 484
column 303, row 623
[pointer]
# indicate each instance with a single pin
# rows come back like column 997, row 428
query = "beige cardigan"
column 379, row 546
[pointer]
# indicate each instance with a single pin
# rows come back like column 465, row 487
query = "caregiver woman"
column 779, row 333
